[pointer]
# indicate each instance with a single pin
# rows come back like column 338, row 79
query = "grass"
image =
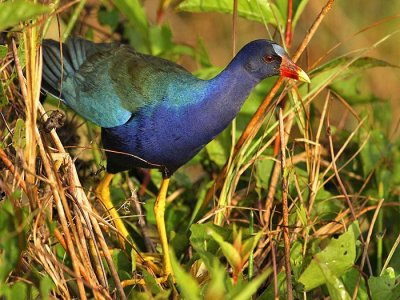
column 298, row 199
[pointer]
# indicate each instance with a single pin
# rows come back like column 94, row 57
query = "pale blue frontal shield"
column 279, row 50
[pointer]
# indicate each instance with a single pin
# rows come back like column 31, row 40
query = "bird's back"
column 107, row 83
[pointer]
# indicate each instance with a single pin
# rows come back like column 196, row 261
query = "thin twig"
column 275, row 174
column 234, row 25
column 288, row 34
column 285, row 210
column 9, row 165
column 141, row 220
column 274, row 267
column 365, row 250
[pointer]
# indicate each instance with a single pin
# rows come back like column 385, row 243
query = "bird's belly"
column 167, row 140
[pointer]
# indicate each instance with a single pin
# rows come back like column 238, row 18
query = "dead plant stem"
column 58, row 195
column 285, row 209
column 9, row 165
column 288, row 33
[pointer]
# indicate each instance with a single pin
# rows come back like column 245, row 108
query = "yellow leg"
column 103, row 193
column 159, row 209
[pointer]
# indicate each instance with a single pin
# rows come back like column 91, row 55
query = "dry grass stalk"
column 285, row 210
column 89, row 218
column 78, row 222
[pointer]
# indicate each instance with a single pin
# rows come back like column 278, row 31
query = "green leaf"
column 18, row 291
column 352, row 281
column 215, row 289
column 255, row 10
column 204, row 245
column 326, row 206
column 138, row 32
column 341, row 68
column 46, row 284
column 246, row 291
column 3, row 97
column 160, row 40
column 250, row 244
column 9, row 246
column 395, row 157
column 133, row 259
column 202, row 55
column 301, row 214
column 21, row 53
column 337, row 257
column 135, row 295
column 109, row 17
column 269, row 293
column 3, row 51
column 134, row 12
column 385, row 286
column 360, row 64
column 122, row 263
column 351, row 90
column 187, row 285
column 263, row 172
column 13, row 12
column 336, row 288
column 373, row 151
column 217, row 152
column 296, row 258
column 19, row 138
column 151, row 282
column 229, row 251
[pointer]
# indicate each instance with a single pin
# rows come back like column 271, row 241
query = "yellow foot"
column 103, row 193
column 150, row 262
column 129, row 282
column 159, row 210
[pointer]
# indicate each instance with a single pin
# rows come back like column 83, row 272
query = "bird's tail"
column 62, row 62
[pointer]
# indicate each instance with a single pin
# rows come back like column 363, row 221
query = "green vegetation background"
column 343, row 131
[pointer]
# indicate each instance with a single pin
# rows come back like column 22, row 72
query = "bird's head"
column 264, row 58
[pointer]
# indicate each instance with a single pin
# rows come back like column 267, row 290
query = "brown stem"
column 274, row 267
column 275, row 174
column 285, row 210
column 234, row 23
column 289, row 34
column 9, row 165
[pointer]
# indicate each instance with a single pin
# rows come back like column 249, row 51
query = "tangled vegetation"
column 297, row 199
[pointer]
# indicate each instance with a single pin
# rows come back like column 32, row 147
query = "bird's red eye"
column 268, row 58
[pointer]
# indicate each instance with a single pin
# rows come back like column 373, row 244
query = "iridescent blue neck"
column 224, row 98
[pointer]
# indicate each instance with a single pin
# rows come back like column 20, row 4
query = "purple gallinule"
column 154, row 113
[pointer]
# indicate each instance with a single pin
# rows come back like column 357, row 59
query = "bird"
column 154, row 113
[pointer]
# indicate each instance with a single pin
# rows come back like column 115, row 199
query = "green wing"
column 107, row 83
